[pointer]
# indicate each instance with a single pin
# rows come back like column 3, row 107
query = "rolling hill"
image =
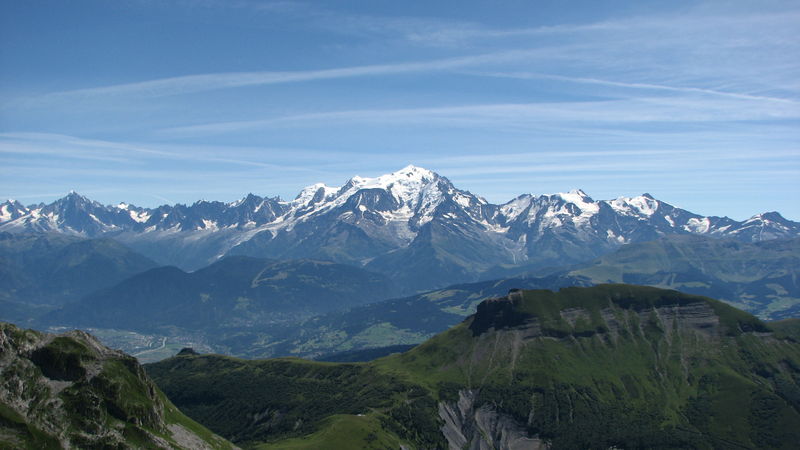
column 760, row 278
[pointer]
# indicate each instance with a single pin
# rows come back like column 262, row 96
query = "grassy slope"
column 341, row 431
column 257, row 402
column 643, row 385
column 16, row 432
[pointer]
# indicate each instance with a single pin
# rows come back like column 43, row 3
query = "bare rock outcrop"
column 482, row 428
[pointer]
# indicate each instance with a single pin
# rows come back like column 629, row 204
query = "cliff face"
column 500, row 315
column 70, row 391
column 482, row 428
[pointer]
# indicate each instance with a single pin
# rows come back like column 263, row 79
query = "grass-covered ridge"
column 550, row 308
column 607, row 366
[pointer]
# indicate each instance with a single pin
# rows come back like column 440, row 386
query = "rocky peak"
column 768, row 217
column 74, row 201
column 12, row 209
column 765, row 226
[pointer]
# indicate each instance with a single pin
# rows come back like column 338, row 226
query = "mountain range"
column 609, row 366
column 412, row 225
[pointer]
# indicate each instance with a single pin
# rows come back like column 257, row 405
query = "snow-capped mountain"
column 412, row 224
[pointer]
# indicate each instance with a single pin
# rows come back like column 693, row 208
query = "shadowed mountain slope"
column 55, row 268
column 232, row 293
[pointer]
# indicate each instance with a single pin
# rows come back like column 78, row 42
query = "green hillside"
column 401, row 321
column 68, row 391
column 608, row 366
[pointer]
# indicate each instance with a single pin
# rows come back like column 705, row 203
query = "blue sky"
column 152, row 102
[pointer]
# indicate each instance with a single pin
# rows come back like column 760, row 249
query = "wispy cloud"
column 703, row 52
column 206, row 82
column 70, row 147
column 530, row 115
column 634, row 85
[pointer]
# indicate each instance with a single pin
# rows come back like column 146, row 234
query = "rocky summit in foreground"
column 610, row 366
column 69, row 391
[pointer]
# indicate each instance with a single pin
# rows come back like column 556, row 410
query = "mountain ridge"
column 53, row 268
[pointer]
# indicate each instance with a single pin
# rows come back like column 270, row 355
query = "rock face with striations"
column 70, row 391
column 483, row 428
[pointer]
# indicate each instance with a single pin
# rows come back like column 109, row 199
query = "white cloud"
column 529, row 116
column 206, row 82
